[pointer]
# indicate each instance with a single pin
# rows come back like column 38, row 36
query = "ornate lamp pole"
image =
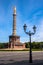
column 30, row 34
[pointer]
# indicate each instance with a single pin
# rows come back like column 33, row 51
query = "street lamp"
column 30, row 34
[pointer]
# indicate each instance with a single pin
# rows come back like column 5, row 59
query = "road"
column 20, row 57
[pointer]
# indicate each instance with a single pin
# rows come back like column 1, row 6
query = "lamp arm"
column 32, row 33
column 28, row 33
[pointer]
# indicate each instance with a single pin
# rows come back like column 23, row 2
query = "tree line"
column 3, row 45
column 35, row 45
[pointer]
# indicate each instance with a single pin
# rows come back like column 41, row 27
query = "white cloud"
column 38, row 36
column 39, row 32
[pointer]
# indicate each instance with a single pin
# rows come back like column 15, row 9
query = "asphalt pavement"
column 21, row 58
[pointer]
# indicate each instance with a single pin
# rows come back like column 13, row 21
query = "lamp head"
column 24, row 27
column 34, row 28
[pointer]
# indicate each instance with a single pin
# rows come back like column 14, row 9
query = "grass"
column 27, row 49
column 37, row 49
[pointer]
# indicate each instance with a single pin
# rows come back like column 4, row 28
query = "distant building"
column 14, row 40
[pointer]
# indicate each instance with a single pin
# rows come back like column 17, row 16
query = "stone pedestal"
column 14, row 40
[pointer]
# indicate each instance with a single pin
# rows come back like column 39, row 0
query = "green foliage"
column 35, row 45
column 3, row 45
column 27, row 45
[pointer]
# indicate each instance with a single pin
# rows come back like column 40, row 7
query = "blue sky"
column 28, row 11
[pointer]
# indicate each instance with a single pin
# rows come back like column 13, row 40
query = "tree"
column 1, row 45
column 27, row 45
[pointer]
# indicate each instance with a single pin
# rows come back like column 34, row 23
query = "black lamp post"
column 30, row 34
